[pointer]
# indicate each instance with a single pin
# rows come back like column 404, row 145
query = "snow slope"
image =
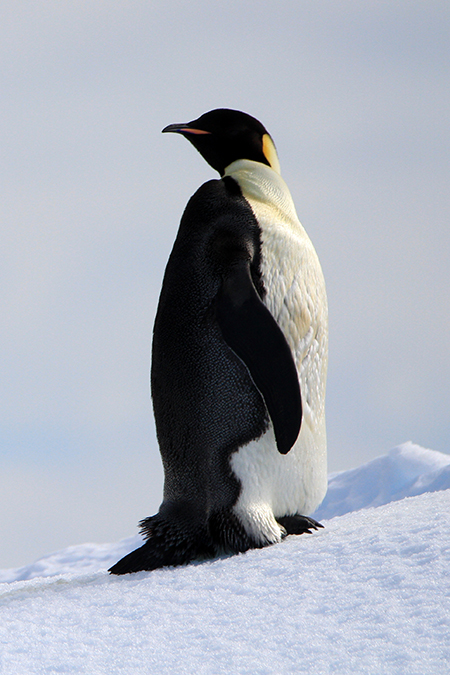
column 368, row 594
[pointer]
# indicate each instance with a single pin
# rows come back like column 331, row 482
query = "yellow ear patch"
column 270, row 153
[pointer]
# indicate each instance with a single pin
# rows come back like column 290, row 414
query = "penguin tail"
column 169, row 542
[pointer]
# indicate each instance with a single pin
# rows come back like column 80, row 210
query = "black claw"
column 298, row 524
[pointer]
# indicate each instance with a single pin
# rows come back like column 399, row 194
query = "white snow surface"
column 368, row 594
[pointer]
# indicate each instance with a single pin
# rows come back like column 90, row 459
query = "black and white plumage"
column 239, row 359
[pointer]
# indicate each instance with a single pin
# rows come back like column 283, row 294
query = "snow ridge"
column 406, row 471
column 369, row 594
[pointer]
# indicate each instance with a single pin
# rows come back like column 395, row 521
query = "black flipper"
column 298, row 524
column 253, row 334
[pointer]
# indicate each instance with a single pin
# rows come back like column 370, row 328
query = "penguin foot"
column 169, row 543
column 173, row 542
column 298, row 524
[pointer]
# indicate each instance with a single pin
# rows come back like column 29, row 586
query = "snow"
column 369, row 594
column 406, row 471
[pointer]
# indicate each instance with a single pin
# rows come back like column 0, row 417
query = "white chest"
column 272, row 484
column 296, row 295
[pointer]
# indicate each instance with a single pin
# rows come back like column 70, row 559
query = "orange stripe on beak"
column 195, row 131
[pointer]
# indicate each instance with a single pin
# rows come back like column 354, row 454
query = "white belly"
column 274, row 485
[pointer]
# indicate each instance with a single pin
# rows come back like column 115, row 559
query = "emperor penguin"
column 239, row 360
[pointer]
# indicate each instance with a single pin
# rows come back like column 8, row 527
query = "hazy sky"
column 355, row 94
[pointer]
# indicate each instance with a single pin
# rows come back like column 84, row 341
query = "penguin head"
column 223, row 136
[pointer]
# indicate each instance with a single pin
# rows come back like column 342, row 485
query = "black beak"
column 184, row 129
